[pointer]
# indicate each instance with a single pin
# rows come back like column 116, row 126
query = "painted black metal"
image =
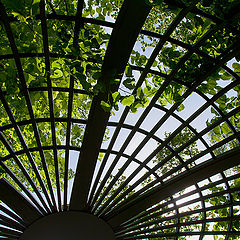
column 159, row 124
column 10, row 196
column 131, row 215
column 50, row 97
column 182, row 181
column 121, row 43
column 69, row 225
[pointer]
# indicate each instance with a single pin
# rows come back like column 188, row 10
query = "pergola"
column 125, row 195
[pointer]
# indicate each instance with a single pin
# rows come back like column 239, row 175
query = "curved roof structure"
column 122, row 115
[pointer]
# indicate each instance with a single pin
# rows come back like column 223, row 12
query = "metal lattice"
column 139, row 196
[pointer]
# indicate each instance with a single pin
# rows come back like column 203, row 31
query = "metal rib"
column 128, row 25
column 9, row 195
column 183, row 180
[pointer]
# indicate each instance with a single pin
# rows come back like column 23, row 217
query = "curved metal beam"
column 184, row 180
column 128, row 25
column 17, row 202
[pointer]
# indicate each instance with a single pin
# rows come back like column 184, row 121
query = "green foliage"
column 183, row 137
column 84, row 67
column 224, row 212
column 28, row 37
column 180, row 139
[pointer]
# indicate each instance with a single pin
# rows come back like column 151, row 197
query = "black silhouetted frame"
column 132, row 212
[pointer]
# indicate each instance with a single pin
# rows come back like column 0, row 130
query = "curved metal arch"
column 50, row 205
column 154, row 129
column 139, row 83
column 130, row 209
column 147, row 215
column 78, row 149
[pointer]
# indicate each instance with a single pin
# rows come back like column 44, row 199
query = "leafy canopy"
column 83, row 61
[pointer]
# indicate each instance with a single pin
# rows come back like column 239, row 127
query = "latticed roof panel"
column 124, row 110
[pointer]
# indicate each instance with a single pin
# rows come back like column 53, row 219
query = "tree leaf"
column 128, row 100
column 116, row 96
column 36, row 1
column 129, row 83
column 236, row 66
column 106, row 107
column 128, row 71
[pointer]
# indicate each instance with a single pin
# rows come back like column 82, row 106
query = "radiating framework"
column 147, row 203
